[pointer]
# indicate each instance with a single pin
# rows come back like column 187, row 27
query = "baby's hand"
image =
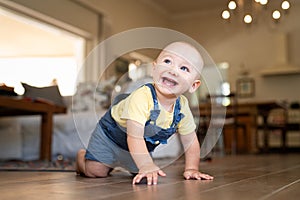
column 195, row 174
column 150, row 172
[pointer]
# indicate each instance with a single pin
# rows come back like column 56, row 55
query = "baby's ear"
column 154, row 64
column 195, row 86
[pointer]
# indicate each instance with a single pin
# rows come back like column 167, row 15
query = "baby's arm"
column 192, row 157
column 140, row 154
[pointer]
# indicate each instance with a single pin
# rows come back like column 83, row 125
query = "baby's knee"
column 95, row 174
column 96, row 170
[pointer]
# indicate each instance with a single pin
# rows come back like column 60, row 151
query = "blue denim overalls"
column 153, row 134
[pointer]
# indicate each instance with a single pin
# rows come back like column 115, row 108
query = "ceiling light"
column 225, row 14
column 263, row 2
column 232, row 5
column 247, row 19
column 285, row 5
column 276, row 14
column 252, row 11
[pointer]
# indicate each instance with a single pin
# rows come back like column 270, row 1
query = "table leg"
column 46, row 136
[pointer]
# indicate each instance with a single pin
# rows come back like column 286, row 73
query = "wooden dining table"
column 17, row 105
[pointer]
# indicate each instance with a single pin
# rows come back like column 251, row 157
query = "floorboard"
column 266, row 176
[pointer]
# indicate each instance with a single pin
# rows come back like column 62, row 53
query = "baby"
column 134, row 126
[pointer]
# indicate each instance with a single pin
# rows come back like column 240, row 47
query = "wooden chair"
column 224, row 114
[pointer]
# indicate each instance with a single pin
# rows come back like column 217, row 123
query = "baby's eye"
column 167, row 61
column 184, row 68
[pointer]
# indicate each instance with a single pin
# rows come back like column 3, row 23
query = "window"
column 38, row 54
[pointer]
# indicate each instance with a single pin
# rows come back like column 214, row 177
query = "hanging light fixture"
column 250, row 10
column 248, row 19
column 285, row 5
column 276, row 14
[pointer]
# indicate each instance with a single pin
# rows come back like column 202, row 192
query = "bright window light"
column 39, row 72
column 43, row 65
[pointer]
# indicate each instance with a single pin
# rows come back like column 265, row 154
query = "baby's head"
column 186, row 51
column 177, row 68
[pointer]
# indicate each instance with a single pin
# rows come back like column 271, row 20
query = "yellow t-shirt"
column 137, row 107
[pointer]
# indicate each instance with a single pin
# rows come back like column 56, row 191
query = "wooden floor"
column 236, row 177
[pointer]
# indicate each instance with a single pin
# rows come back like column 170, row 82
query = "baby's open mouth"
column 169, row 82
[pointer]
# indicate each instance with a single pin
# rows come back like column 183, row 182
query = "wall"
column 119, row 16
column 254, row 47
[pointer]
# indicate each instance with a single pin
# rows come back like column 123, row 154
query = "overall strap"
column 154, row 113
column 177, row 116
column 153, row 93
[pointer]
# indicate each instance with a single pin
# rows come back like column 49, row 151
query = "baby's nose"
column 174, row 70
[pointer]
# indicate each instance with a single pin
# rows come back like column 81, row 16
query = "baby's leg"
column 90, row 168
column 80, row 162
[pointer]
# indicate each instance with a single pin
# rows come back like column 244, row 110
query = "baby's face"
column 174, row 75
